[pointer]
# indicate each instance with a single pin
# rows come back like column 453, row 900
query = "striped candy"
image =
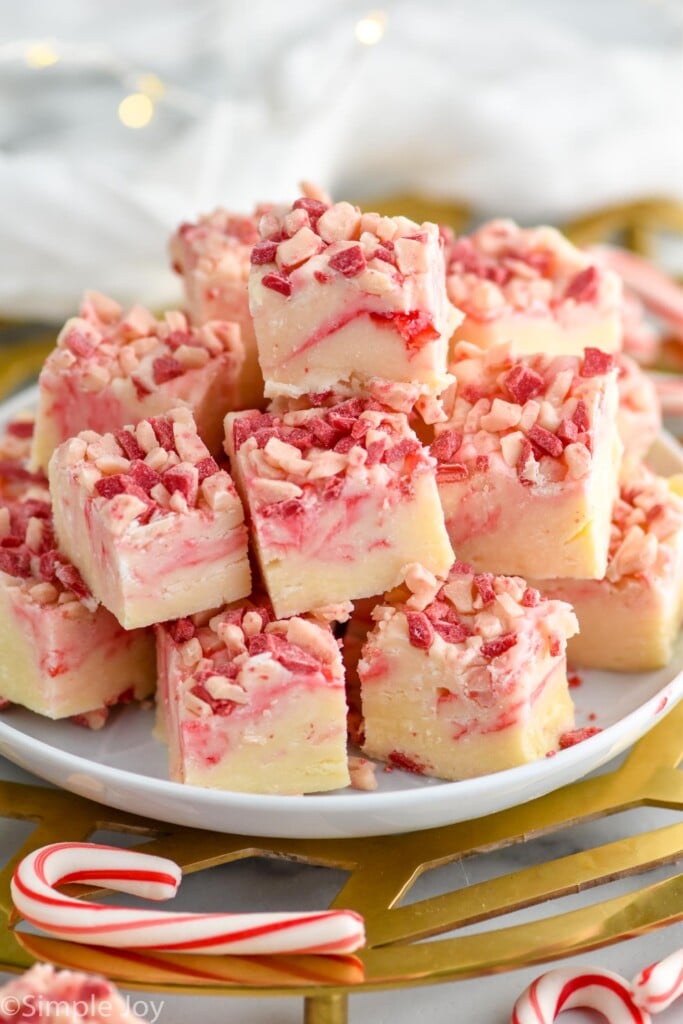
column 155, row 878
column 659, row 985
column 566, row 989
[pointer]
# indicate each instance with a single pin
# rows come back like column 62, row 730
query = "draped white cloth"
column 536, row 109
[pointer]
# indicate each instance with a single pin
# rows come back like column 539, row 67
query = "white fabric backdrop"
column 536, row 109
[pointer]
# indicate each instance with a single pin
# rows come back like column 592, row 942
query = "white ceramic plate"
column 123, row 766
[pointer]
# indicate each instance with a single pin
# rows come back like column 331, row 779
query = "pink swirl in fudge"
column 337, row 294
column 502, row 269
column 534, row 415
column 111, row 368
column 15, row 451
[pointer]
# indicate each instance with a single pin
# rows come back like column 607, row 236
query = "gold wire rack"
column 382, row 870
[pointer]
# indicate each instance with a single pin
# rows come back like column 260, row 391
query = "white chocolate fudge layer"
column 212, row 257
column 639, row 419
column 63, row 997
column 340, row 500
column 337, row 295
column 467, row 677
column 532, row 286
column 528, row 461
column 111, row 368
column 630, row 619
column 251, row 704
column 54, row 639
column 155, row 527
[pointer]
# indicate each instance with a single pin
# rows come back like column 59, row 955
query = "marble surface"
column 255, row 884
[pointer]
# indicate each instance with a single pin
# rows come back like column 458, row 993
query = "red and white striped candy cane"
column 141, row 874
column 659, row 292
column 566, row 989
column 661, row 984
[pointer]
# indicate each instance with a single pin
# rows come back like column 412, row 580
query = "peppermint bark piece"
column 467, row 677
column 531, row 285
column 630, row 619
column 252, row 704
column 338, row 296
column 339, row 500
column 111, row 368
column 528, row 461
column 153, row 524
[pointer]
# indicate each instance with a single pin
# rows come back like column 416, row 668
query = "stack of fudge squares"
column 370, row 484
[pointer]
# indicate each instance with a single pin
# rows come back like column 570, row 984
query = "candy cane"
column 567, row 989
column 659, row 985
column 140, row 874
column 660, row 294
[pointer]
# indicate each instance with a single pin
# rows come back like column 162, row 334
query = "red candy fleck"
column 451, row 474
column 70, row 577
column 15, row 562
column 218, row 707
column 546, row 440
column 277, row 283
column 313, row 207
column 596, row 362
column 290, row 655
column 482, row 463
column 263, row 252
column 405, row 447
column 574, row 681
column 141, row 389
column 163, row 431
column 574, row 736
column 79, row 344
column 344, row 445
column 530, row 598
column 525, row 454
column 181, row 479
column 10, row 469
column 452, row 632
column 166, row 368
column 384, row 252
column 567, row 431
column 483, row 581
column 375, row 452
column 523, row 383
column 501, row 644
column 143, row 476
column 177, row 338
column 325, row 434
column 445, row 446
column 420, row 630
column 47, row 566
column 416, row 328
column 580, row 417
column 408, row 764
column 583, row 287
column 283, row 509
column 207, row 467
column 129, row 445
column 20, row 428
column 182, row 630
column 350, row 262
column 109, row 486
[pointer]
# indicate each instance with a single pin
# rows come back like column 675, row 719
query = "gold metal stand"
column 382, row 870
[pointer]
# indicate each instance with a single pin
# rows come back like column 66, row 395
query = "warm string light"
column 40, row 55
column 136, row 110
column 370, row 29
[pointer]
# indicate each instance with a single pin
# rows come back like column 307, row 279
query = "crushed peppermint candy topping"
column 485, row 615
column 502, row 270
column 157, row 468
column 647, row 519
column 536, row 412
column 245, row 637
column 219, row 241
column 341, row 242
column 104, row 344
column 303, row 455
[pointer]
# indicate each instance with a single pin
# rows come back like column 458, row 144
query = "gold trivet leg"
column 332, row 1009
